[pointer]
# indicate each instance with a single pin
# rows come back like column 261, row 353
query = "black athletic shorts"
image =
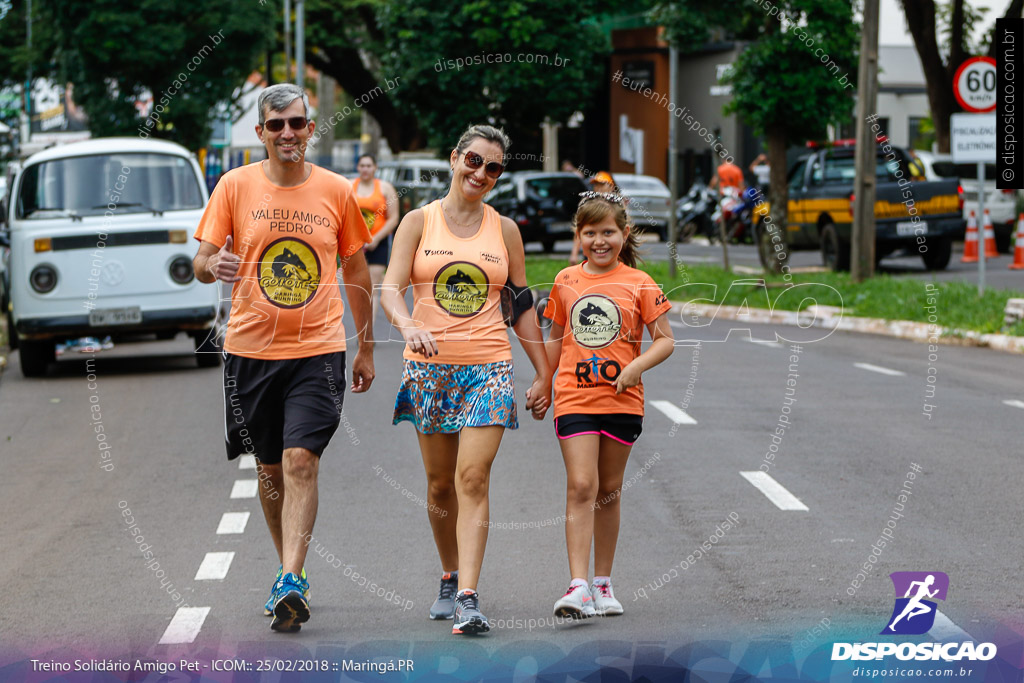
column 622, row 427
column 379, row 256
column 271, row 405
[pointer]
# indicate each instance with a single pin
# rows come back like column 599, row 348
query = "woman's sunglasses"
column 475, row 161
column 277, row 125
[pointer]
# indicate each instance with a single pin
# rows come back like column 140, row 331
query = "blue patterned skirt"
column 441, row 398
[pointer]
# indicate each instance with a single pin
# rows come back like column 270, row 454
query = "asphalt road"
column 78, row 586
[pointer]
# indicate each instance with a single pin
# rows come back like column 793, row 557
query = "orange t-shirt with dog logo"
column 287, row 303
column 604, row 318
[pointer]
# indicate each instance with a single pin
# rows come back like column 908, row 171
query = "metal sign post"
column 973, row 136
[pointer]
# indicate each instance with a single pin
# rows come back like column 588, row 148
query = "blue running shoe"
column 268, row 608
column 291, row 609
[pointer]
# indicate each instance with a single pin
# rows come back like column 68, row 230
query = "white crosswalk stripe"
column 879, row 369
column 244, row 488
column 184, row 626
column 214, row 566
column 674, row 412
column 233, row 523
column 774, row 491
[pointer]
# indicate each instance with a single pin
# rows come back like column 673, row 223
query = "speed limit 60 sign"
column 974, row 85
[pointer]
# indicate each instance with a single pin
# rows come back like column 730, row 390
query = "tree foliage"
column 780, row 85
column 954, row 20
column 116, row 50
column 416, row 43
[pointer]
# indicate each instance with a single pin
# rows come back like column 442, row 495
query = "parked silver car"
column 649, row 201
column 417, row 181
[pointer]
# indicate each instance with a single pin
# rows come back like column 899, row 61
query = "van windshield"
column 89, row 185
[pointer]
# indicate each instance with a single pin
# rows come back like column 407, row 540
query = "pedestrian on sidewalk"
column 275, row 230
column 457, row 388
column 598, row 311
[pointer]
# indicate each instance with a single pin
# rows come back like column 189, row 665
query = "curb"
column 831, row 317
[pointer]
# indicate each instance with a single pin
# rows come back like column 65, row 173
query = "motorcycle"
column 694, row 213
column 735, row 210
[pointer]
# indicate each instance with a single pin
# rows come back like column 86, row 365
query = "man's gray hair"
column 278, row 97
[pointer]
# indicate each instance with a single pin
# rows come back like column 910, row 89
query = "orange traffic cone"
column 971, row 241
column 1018, row 251
column 990, row 238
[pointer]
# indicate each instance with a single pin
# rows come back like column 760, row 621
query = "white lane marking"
column 674, row 413
column 763, row 342
column 184, row 626
column 244, row 488
column 247, row 462
column 879, row 369
column 1015, row 403
column 214, row 566
column 774, row 491
column 233, row 523
column 944, row 630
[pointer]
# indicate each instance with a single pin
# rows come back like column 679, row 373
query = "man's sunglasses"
column 475, row 161
column 277, row 125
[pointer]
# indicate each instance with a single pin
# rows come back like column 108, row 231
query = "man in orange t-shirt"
column 275, row 229
column 728, row 175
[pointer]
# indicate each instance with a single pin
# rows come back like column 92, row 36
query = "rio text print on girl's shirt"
column 604, row 318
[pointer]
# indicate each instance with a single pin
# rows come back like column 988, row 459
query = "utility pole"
column 862, row 264
column 300, row 43
column 287, row 41
column 325, row 111
column 549, row 145
column 673, row 160
column 27, row 132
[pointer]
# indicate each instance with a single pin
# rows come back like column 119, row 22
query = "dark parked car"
column 541, row 204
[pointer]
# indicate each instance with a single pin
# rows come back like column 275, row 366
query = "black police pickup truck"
column 925, row 216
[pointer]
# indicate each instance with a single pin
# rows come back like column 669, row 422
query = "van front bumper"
column 198, row 318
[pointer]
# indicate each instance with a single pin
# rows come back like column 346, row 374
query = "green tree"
column 780, row 86
column 954, row 21
column 415, row 43
column 116, row 50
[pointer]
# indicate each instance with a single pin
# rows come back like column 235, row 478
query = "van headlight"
column 181, row 270
column 43, row 278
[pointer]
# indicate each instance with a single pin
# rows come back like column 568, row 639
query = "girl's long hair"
column 595, row 208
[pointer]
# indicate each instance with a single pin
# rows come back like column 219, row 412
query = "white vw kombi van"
column 100, row 236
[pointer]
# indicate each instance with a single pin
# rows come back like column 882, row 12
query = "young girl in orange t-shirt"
column 598, row 311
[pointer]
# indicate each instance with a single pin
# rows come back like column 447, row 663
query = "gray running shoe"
column 576, row 603
column 444, row 606
column 468, row 619
column 605, row 603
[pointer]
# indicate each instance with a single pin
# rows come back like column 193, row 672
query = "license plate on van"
column 908, row 228
column 115, row 316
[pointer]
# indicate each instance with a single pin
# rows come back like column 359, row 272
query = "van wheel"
column 36, row 356
column 938, row 254
column 548, row 246
column 834, row 252
column 208, row 351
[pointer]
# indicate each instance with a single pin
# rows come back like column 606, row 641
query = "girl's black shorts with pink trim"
column 622, row 427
